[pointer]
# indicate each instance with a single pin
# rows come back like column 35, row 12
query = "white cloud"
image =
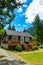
column 20, row 9
column 24, row 25
column 22, row 1
column 19, row 24
column 25, row 5
column 35, row 7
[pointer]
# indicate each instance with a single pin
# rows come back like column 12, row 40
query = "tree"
column 1, row 26
column 24, row 30
column 38, row 29
column 7, row 14
column 9, row 27
column 41, row 33
column 7, row 8
column 1, row 34
column 13, row 28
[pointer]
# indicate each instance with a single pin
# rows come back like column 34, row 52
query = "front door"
column 22, row 38
column 19, row 38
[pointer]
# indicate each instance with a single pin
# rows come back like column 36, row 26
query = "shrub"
column 18, row 48
column 39, row 43
column 35, row 47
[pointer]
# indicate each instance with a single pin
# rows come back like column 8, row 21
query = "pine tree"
column 9, row 28
column 24, row 30
column 38, row 29
column 13, row 28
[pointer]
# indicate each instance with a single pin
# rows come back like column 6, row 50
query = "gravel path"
column 14, row 62
column 10, row 59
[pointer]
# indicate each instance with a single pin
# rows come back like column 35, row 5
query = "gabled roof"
column 11, row 32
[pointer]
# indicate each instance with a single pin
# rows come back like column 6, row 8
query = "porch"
column 15, row 40
column 11, row 41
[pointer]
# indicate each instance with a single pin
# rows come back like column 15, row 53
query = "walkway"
column 12, row 59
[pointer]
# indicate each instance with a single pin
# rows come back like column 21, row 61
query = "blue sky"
column 19, row 20
column 25, row 15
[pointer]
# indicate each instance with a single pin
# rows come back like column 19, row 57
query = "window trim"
column 15, row 39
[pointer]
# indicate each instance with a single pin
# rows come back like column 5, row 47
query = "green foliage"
column 38, row 29
column 9, row 28
column 24, row 30
column 13, row 28
column 1, row 26
column 33, row 38
column 7, row 8
column 35, row 47
column 38, row 44
column 1, row 34
column 18, row 48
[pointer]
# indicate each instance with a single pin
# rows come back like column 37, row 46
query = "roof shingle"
column 11, row 32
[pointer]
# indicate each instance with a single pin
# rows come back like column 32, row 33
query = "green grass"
column 33, row 58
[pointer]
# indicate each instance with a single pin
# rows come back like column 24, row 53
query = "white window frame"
column 6, row 38
column 27, row 39
column 14, row 38
column 22, row 38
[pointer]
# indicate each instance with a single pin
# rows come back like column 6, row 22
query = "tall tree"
column 1, row 34
column 13, row 28
column 41, row 33
column 9, row 27
column 24, row 30
column 7, row 10
column 38, row 29
column 1, row 26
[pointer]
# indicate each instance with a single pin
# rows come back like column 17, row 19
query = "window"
column 22, row 39
column 26, row 39
column 14, row 38
column 5, row 40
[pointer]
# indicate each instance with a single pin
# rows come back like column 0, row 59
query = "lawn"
column 35, row 58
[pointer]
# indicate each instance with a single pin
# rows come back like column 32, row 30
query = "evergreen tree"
column 38, row 29
column 9, row 28
column 1, row 26
column 24, row 30
column 1, row 34
column 13, row 28
column 41, row 33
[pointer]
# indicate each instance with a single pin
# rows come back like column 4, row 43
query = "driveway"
column 11, row 58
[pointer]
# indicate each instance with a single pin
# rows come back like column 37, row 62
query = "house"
column 12, row 38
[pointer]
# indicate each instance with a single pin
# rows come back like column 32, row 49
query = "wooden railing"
column 12, row 43
column 25, row 46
